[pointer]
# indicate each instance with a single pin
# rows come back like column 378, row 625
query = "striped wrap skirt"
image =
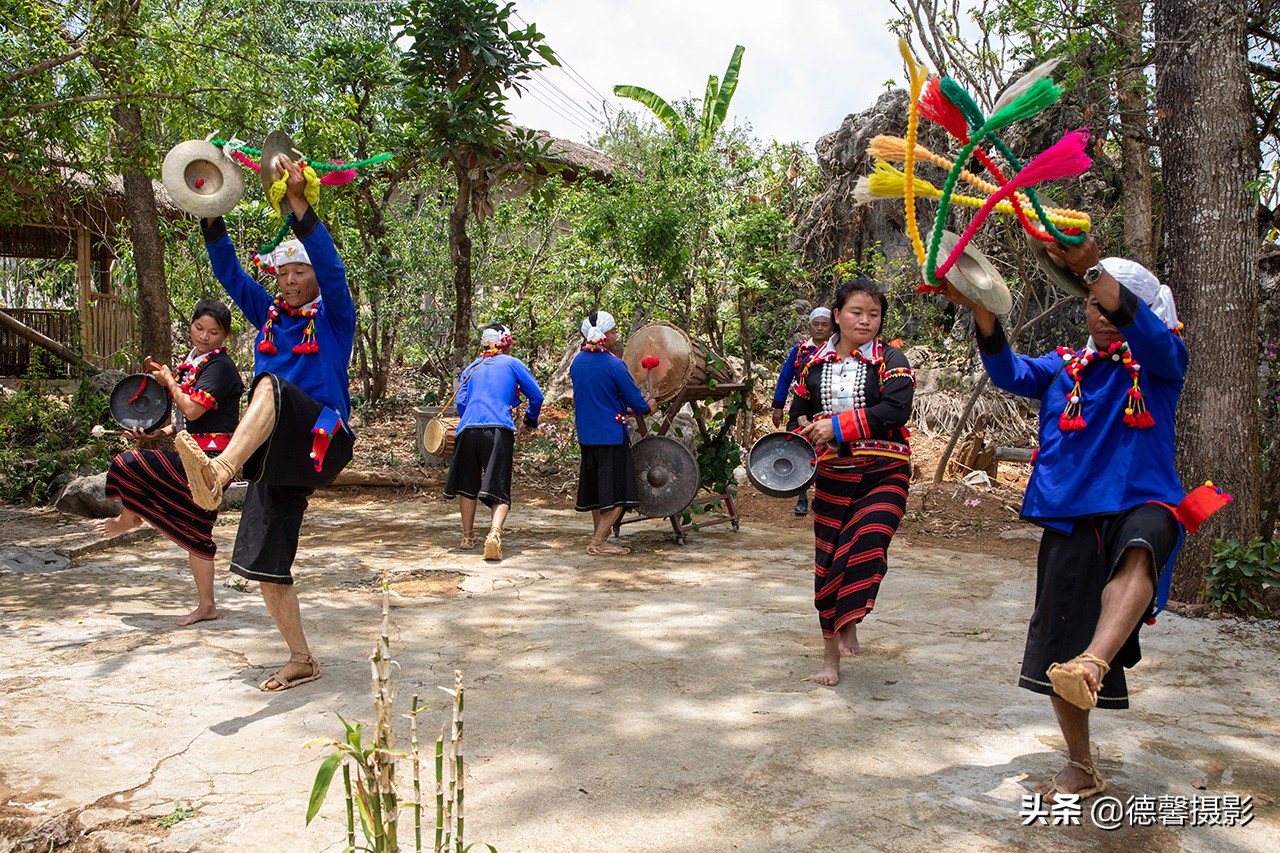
column 152, row 484
column 857, row 506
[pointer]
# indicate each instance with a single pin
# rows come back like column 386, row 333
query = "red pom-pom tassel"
column 267, row 347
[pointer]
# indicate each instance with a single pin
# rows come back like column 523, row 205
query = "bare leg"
column 829, row 675
column 282, row 604
column 1074, row 723
column 122, row 523
column 849, row 640
column 202, row 571
column 255, row 428
column 499, row 516
column 468, row 507
column 1125, row 600
column 604, row 522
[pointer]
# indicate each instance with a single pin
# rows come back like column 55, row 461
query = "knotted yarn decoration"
column 1064, row 159
column 918, row 75
column 973, row 114
column 890, row 183
column 1072, row 419
column 1041, row 94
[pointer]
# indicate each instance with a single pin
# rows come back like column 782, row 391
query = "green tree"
column 463, row 57
column 715, row 105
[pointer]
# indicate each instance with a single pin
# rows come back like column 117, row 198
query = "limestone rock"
column 559, row 390
column 87, row 497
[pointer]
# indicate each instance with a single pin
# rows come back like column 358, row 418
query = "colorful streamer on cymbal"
column 944, row 102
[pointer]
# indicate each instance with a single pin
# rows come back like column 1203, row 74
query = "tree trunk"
column 1135, row 153
column 460, row 253
column 1209, row 154
column 148, row 246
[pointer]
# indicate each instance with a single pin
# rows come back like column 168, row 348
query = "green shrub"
column 44, row 435
column 1239, row 571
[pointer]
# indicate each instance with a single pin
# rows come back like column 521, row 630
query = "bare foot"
column 200, row 614
column 122, row 523
column 849, row 641
column 607, row 548
column 829, row 675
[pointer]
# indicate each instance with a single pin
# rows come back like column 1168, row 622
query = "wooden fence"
column 104, row 336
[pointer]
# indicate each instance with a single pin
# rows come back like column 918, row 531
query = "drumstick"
column 99, row 431
column 649, row 362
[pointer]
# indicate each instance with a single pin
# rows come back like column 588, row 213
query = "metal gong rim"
column 667, row 476
column 133, row 410
column 781, row 464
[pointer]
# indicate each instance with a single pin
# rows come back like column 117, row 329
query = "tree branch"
column 43, row 66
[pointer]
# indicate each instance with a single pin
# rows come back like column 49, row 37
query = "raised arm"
column 331, row 275
column 628, row 389
column 250, row 296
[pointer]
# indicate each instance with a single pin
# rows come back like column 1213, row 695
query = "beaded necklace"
column 308, row 345
column 1136, row 415
column 188, row 384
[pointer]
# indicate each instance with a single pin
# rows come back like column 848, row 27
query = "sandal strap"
column 1103, row 666
column 1087, row 768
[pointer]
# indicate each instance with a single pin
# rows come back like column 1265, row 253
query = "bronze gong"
column 667, row 476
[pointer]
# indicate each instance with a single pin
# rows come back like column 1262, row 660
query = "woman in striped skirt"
column 853, row 400
column 151, row 484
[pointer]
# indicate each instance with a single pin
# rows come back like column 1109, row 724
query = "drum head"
column 139, row 402
column 674, row 351
column 1055, row 270
column 974, row 276
column 782, row 464
column 433, row 436
column 667, row 475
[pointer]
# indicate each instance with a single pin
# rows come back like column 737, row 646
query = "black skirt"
column 607, row 478
column 1071, row 572
column 481, row 465
column 284, row 459
column 856, row 510
column 153, row 485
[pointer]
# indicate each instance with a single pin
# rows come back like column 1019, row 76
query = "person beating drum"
column 819, row 331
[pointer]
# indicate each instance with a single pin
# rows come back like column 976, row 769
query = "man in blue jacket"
column 1104, row 489
column 294, row 434
column 603, row 391
column 480, row 471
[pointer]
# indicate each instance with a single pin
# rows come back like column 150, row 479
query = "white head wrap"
column 820, row 311
column 289, row 252
column 604, row 323
column 1145, row 286
column 496, row 337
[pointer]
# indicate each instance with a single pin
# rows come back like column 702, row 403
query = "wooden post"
column 84, row 277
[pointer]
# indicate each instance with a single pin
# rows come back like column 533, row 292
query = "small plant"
column 181, row 811
column 375, row 797
column 1239, row 572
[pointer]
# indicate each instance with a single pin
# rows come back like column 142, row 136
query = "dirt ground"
column 656, row 702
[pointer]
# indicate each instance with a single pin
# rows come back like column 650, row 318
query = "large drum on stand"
column 681, row 361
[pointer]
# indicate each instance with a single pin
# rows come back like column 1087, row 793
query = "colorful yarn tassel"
column 1066, row 158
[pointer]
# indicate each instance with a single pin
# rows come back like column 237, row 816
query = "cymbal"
column 1056, row 271
column 975, row 276
column 277, row 143
column 200, row 179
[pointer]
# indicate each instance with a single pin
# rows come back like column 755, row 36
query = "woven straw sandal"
column 287, row 683
column 607, row 548
column 1099, row 784
column 467, row 543
column 1069, row 681
column 195, row 463
column 493, row 545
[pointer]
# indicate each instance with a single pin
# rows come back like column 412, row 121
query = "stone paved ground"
column 658, row 702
